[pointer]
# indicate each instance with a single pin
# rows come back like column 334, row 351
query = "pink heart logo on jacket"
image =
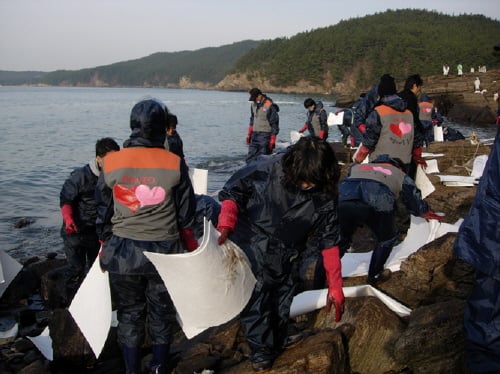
column 400, row 129
column 149, row 196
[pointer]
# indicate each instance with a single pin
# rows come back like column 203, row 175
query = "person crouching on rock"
column 269, row 208
column 368, row 195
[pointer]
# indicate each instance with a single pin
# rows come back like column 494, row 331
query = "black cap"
column 148, row 120
column 254, row 92
column 387, row 85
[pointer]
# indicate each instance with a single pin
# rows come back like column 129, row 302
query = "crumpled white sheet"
column 8, row 270
column 209, row 286
column 91, row 307
column 420, row 233
column 308, row 301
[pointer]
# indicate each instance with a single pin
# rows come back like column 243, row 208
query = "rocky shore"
column 370, row 338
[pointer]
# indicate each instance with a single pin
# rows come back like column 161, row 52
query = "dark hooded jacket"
column 274, row 223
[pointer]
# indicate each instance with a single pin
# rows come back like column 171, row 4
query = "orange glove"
column 228, row 217
column 69, row 223
column 333, row 270
column 272, row 143
column 187, row 237
column 249, row 134
column 417, row 157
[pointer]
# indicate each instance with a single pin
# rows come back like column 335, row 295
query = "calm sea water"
column 47, row 132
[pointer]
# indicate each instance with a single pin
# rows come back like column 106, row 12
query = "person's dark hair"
column 311, row 160
column 308, row 102
column 413, row 79
column 105, row 145
column 171, row 121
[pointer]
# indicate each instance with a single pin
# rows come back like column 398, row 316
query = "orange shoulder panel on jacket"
column 385, row 109
column 141, row 158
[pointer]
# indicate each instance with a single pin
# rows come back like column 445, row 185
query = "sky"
column 48, row 35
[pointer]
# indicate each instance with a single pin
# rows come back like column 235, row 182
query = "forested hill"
column 345, row 58
column 353, row 54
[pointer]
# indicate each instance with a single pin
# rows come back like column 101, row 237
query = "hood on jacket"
column 148, row 121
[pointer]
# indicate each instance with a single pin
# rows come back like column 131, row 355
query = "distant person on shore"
column 446, row 70
column 368, row 196
column 79, row 211
column 412, row 88
column 316, row 122
column 450, row 134
column 152, row 208
column 477, row 85
column 382, row 136
column 264, row 125
column 477, row 243
column 269, row 209
column 460, row 70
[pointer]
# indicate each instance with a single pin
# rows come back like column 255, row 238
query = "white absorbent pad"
column 420, row 233
column 91, row 307
column 309, row 301
column 8, row 270
column 209, row 286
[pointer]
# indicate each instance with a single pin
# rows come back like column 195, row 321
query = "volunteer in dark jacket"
column 427, row 116
column 361, row 109
column 411, row 90
column 264, row 125
column 270, row 208
column 316, row 119
column 79, row 211
column 368, row 196
column 153, row 210
column 477, row 243
column 389, row 127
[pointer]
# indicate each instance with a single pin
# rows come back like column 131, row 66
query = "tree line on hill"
column 357, row 51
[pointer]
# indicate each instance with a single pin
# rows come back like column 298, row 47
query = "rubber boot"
column 379, row 257
column 159, row 360
column 132, row 358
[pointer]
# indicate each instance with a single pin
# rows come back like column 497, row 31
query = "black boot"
column 379, row 257
column 132, row 358
column 159, row 360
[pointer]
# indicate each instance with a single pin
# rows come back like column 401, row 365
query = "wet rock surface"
column 370, row 338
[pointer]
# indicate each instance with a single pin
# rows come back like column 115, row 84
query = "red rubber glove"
column 228, row 217
column 69, row 223
column 322, row 134
column 249, row 134
column 417, row 157
column 304, row 128
column 272, row 143
column 333, row 270
column 431, row 215
column 361, row 154
column 187, row 237
column 362, row 128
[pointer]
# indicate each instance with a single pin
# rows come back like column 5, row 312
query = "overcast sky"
column 48, row 35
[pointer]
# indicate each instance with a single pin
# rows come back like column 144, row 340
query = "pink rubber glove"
column 333, row 270
column 228, row 217
column 69, row 223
